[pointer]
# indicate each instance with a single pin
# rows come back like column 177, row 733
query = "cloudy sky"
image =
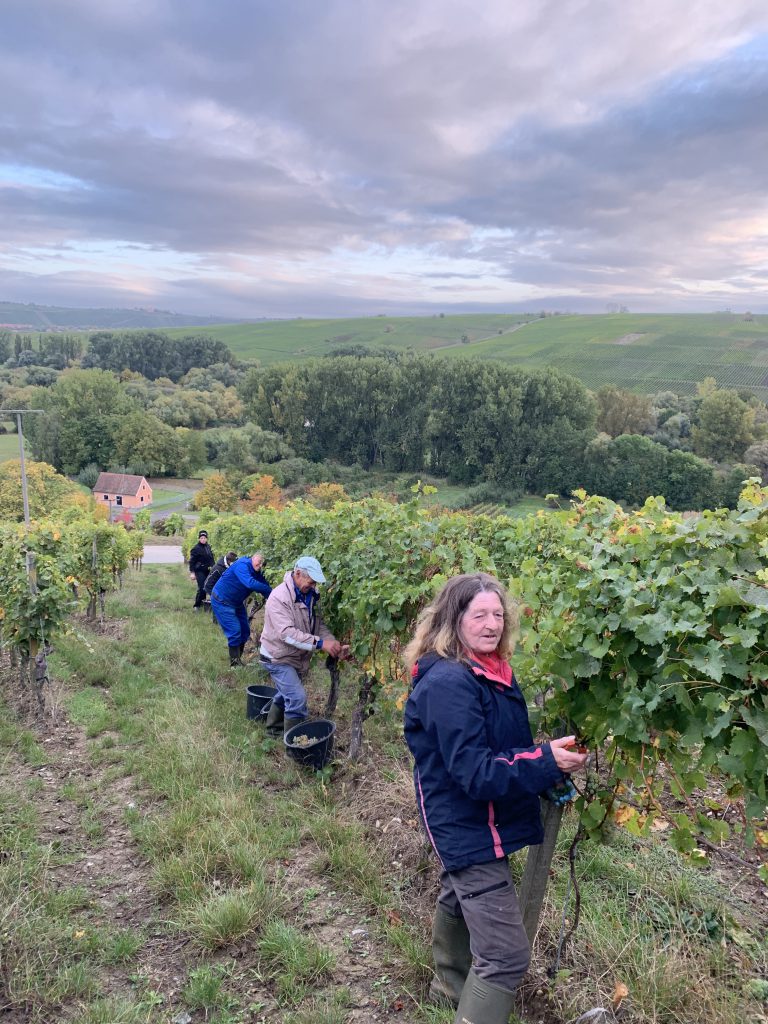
column 328, row 157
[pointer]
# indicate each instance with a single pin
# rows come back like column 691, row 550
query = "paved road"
column 162, row 554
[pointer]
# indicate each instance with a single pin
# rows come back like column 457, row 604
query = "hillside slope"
column 642, row 352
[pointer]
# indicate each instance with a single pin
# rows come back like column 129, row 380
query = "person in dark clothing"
column 228, row 597
column 478, row 776
column 201, row 561
column 218, row 571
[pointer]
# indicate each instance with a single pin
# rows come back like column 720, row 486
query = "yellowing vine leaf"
column 624, row 814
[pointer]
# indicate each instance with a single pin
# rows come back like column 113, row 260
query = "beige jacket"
column 290, row 633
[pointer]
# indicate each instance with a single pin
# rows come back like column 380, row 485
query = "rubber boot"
column 274, row 722
column 290, row 722
column 483, row 1003
column 234, row 656
column 452, row 956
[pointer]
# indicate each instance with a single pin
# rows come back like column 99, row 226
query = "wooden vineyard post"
column 332, row 664
column 363, row 710
column 93, row 596
column 536, row 875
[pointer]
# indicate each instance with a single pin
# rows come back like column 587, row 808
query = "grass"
column 295, row 961
column 162, row 496
column 9, row 447
column 220, row 919
column 644, row 352
column 248, row 853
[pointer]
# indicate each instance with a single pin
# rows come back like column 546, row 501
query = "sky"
column 251, row 158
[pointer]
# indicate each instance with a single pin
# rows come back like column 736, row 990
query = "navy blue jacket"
column 477, row 773
column 240, row 580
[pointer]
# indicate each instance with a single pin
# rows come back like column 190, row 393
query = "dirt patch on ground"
column 628, row 339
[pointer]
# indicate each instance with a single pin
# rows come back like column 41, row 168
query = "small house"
column 120, row 490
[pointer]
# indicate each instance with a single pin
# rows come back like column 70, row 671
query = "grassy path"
column 162, row 863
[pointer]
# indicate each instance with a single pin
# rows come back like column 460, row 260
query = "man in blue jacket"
column 228, row 597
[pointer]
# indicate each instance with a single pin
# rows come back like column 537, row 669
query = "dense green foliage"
column 628, row 468
column 83, row 413
column 154, row 354
column 647, row 631
column 476, row 422
column 90, row 419
column 53, row 350
column 467, row 421
column 472, row 422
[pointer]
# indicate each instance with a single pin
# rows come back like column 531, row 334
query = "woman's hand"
column 567, row 759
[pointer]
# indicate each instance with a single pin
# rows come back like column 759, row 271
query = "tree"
column 757, row 455
column 216, row 493
column 142, row 441
column 83, row 412
column 193, row 453
column 264, row 493
column 49, row 492
column 629, row 468
column 623, row 412
column 724, row 427
column 154, row 354
column 174, row 524
column 326, row 495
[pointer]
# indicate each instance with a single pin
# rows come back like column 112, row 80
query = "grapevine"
column 34, row 607
column 647, row 631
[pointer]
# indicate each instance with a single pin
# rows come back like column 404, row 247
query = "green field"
column 642, row 352
column 276, row 340
column 9, row 447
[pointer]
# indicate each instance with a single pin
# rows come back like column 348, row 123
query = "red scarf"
column 494, row 667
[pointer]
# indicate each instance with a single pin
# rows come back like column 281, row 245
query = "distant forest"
column 160, row 404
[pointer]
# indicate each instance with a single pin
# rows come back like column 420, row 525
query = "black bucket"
column 317, row 752
column 258, row 700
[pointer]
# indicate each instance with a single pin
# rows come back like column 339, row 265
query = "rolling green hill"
column 643, row 352
column 276, row 340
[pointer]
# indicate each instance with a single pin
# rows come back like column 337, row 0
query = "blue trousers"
column 290, row 692
column 234, row 622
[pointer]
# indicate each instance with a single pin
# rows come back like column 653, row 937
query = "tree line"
column 483, row 422
column 496, row 429
column 153, row 354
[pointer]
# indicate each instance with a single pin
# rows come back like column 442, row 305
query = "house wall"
column 130, row 501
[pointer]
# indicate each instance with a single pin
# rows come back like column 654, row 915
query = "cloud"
column 344, row 153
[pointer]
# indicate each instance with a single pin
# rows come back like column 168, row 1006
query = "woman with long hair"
column 478, row 776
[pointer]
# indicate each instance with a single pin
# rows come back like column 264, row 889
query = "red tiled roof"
column 118, row 483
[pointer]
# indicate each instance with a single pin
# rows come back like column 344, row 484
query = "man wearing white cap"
column 293, row 631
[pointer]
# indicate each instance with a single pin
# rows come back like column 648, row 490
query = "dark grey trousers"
column 484, row 895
